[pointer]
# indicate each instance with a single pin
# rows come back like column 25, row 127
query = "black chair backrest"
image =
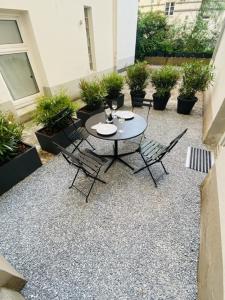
column 70, row 157
column 63, row 114
column 176, row 140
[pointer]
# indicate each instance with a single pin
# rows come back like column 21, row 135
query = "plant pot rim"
column 184, row 99
column 119, row 95
column 84, row 109
column 44, row 133
column 20, row 154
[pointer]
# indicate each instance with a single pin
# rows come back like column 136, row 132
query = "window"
column 90, row 37
column 15, row 67
column 169, row 9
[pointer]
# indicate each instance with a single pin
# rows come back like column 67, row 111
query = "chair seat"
column 151, row 150
column 89, row 161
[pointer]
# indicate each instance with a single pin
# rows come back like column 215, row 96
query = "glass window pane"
column 9, row 32
column 18, row 75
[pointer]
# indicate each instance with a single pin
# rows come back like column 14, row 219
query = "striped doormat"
column 199, row 159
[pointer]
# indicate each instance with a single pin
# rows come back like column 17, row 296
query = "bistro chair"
column 146, row 103
column 78, row 135
column 153, row 152
column 87, row 162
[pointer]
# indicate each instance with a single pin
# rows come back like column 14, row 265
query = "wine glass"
column 114, row 107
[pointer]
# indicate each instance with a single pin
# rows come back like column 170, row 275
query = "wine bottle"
column 108, row 113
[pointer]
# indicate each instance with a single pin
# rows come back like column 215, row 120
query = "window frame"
column 21, row 48
column 169, row 8
column 88, row 23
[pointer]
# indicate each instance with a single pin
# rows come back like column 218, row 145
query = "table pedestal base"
column 117, row 157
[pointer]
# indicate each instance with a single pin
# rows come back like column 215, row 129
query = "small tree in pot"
column 163, row 79
column 93, row 93
column 17, row 159
column 114, row 84
column 137, row 79
column 197, row 77
column 48, row 107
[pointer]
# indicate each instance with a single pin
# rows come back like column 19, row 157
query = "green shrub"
column 164, row 79
column 197, row 76
column 93, row 93
column 152, row 34
column 10, row 136
column 49, row 106
column 113, row 83
column 137, row 77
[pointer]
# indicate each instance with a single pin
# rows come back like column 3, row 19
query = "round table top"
column 126, row 130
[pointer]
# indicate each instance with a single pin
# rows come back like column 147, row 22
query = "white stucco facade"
column 183, row 10
column 55, row 40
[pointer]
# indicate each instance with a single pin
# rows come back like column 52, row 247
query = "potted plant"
column 114, row 84
column 197, row 76
column 17, row 159
column 137, row 79
column 93, row 94
column 163, row 79
column 47, row 108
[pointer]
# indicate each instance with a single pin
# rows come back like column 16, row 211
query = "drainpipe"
column 115, row 34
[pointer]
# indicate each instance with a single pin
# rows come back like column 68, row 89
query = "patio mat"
column 199, row 159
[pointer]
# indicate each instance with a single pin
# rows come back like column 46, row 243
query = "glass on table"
column 114, row 107
column 121, row 121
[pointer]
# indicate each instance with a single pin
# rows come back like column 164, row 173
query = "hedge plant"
column 164, row 79
column 113, row 83
column 10, row 137
column 93, row 93
column 49, row 106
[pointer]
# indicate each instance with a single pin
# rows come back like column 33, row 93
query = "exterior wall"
column 212, row 242
column 212, row 238
column 183, row 11
column 127, row 11
column 56, row 34
column 214, row 104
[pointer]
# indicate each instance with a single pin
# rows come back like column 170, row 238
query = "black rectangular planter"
column 46, row 141
column 18, row 168
column 84, row 114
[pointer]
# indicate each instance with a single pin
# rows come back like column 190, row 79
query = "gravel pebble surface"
column 131, row 241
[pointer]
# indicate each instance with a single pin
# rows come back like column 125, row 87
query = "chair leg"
column 164, row 168
column 76, row 146
column 152, row 176
column 91, row 186
column 74, row 178
column 90, row 144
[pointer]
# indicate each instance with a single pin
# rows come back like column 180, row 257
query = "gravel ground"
column 131, row 241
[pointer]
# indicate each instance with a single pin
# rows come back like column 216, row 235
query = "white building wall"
column 55, row 32
column 126, row 39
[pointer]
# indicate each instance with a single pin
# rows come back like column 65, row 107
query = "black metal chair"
column 85, row 161
column 153, row 152
column 78, row 136
column 146, row 103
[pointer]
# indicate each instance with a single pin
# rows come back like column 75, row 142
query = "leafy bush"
column 152, row 34
column 155, row 37
column 164, row 79
column 93, row 93
column 49, row 106
column 197, row 76
column 113, row 84
column 10, row 136
column 189, row 38
column 137, row 77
